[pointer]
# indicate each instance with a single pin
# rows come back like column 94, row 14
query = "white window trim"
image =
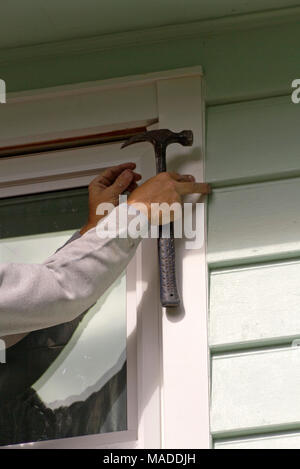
column 177, row 414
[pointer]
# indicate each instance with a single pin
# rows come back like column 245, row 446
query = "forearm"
column 13, row 339
column 68, row 283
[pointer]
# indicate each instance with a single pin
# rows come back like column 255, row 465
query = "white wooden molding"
column 185, row 360
column 84, row 108
column 103, row 85
column 151, row 35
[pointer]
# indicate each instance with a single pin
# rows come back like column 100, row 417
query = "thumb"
column 122, row 182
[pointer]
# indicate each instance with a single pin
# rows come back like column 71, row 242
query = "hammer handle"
column 166, row 254
column 169, row 296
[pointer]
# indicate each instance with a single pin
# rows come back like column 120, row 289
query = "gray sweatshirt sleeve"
column 36, row 296
column 12, row 339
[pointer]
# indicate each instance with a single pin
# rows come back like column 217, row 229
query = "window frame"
column 175, row 412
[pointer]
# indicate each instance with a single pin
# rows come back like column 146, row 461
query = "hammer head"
column 162, row 137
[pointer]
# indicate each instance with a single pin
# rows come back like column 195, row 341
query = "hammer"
column 160, row 139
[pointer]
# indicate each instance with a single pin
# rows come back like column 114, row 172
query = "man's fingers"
column 122, row 182
column 137, row 176
column 192, row 188
column 182, row 177
column 109, row 175
column 132, row 187
column 186, row 184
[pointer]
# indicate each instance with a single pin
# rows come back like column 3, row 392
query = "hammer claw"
column 142, row 137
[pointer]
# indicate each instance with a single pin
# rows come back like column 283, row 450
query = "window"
column 166, row 354
column 68, row 380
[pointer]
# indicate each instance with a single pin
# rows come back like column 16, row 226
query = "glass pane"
column 68, row 380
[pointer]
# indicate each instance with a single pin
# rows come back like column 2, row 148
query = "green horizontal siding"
column 238, row 64
column 278, row 441
column 252, row 141
column 254, row 223
column 253, row 162
column 255, row 305
column 256, row 392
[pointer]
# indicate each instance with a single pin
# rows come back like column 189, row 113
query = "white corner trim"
column 151, row 35
column 185, row 353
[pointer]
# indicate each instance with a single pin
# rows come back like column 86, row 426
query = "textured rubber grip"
column 168, row 288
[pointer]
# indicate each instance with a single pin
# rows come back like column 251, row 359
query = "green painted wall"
column 252, row 159
column 237, row 64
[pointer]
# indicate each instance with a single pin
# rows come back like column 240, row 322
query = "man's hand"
column 107, row 187
column 165, row 188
